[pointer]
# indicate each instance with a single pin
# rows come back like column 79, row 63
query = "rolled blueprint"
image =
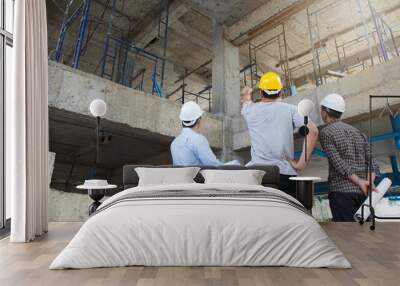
column 381, row 189
column 233, row 163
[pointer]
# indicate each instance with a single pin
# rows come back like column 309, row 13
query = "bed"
column 198, row 224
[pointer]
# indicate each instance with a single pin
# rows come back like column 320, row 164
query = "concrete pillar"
column 225, row 85
column 225, row 74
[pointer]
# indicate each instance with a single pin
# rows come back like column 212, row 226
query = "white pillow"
column 166, row 176
column 247, row 177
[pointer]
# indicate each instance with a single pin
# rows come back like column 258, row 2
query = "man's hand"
column 363, row 184
column 245, row 98
column 298, row 165
column 246, row 94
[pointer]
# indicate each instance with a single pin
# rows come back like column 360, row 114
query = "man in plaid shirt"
column 347, row 150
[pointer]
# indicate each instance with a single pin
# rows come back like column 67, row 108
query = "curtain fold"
column 27, row 123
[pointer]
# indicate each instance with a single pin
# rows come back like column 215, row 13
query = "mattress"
column 201, row 225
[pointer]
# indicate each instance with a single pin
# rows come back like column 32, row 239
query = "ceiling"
column 189, row 38
column 190, row 34
column 227, row 12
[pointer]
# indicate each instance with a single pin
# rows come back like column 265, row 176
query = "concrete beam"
column 383, row 79
column 263, row 19
column 73, row 90
column 144, row 34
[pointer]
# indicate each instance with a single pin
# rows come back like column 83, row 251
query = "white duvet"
column 200, row 231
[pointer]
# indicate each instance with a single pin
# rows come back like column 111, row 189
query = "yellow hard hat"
column 271, row 83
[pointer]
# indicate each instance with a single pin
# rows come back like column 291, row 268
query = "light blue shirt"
column 271, row 126
column 192, row 148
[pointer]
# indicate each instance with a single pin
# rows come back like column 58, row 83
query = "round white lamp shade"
column 98, row 108
column 305, row 107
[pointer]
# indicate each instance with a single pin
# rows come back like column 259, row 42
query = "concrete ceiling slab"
column 227, row 11
column 198, row 21
column 189, row 43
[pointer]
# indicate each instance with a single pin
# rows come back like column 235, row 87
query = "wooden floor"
column 375, row 257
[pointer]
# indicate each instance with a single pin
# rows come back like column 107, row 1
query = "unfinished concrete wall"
column 383, row 79
column 73, row 90
column 65, row 206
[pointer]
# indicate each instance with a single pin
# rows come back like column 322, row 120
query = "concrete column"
column 225, row 74
column 225, row 85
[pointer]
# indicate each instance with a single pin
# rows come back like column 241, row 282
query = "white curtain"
column 27, row 123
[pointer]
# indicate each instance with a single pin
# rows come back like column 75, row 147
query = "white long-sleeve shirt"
column 192, row 148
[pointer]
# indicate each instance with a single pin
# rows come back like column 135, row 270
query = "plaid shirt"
column 347, row 150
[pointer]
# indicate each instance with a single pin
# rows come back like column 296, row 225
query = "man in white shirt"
column 190, row 147
column 271, row 125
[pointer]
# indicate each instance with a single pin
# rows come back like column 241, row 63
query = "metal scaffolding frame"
column 245, row 74
column 185, row 93
column 206, row 92
column 116, row 57
column 381, row 35
column 106, row 46
column 280, row 40
column 163, row 34
column 384, row 34
column 117, row 62
column 317, row 46
column 81, row 11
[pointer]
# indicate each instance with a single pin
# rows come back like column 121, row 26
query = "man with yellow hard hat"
column 271, row 125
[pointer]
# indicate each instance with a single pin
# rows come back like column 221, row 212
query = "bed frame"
column 270, row 179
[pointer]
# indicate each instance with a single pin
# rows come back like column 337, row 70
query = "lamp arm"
column 98, row 145
column 305, row 138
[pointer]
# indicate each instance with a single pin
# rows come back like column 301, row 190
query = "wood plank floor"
column 375, row 257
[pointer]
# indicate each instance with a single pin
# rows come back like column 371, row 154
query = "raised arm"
column 246, row 94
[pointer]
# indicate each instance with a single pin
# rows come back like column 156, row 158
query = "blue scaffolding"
column 81, row 33
column 116, row 65
column 163, row 24
column 81, row 11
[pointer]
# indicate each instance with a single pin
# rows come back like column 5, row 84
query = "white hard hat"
column 190, row 112
column 335, row 102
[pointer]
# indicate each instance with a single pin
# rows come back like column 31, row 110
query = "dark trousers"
column 345, row 205
column 288, row 186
